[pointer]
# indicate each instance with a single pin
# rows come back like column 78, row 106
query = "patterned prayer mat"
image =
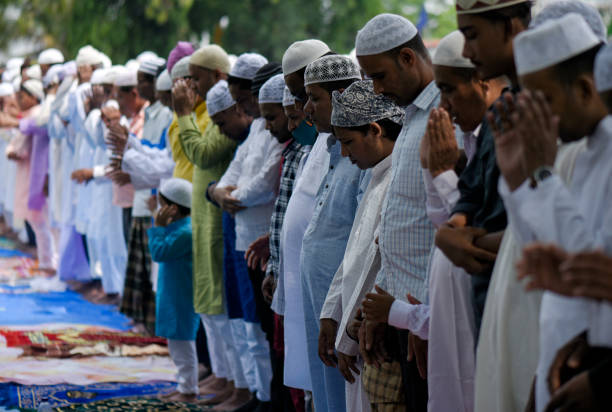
column 134, row 405
column 30, row 396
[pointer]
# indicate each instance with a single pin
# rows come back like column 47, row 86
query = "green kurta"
column 211, row 153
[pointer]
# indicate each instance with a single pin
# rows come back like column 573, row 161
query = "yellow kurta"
column 210, row 152
column 183, row 167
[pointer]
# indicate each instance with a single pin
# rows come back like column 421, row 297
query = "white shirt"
column 576, row 217
column 357, row 272
column 255, row 171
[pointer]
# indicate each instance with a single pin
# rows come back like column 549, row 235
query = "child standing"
column 170, row 244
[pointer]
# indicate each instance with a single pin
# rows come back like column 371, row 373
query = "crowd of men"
column 406, row 230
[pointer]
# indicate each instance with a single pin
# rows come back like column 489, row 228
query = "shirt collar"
column 601, row 135
column 382, row 166
column 427, row 97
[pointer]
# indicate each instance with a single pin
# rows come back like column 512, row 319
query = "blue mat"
column 58, row 307
column 27, row 396
column 8, row 253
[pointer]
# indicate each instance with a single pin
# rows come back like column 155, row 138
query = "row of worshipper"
column 408, row 231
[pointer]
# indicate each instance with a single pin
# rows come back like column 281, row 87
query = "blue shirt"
column 327, row 234
column 406, row 233
column 171, row 247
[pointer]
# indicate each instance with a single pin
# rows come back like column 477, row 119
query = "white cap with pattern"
column 151, row 65
column 288, row 98
column 449, row 52
column 247, row 64
column 559, row 8
column 383, row 33
column 330, row 69
column 272, row 90
column 603, row 69
column 219, row 98
column 552, row 42
column 301, row 53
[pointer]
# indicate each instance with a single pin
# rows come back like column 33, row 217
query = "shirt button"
column 331, row 167
column 320, row 203
column 327, row 186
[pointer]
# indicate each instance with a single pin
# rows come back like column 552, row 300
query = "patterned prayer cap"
column 219, row 98
column 560, row 8
column 288, row 98
column 603, row 69
column 358, row 105
column 552, row 42
column 383, row 33
column 246, row 65
column 330, row 69
column 480, row 6
column 272, row 90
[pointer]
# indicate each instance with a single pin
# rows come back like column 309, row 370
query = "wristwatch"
column 540, row 174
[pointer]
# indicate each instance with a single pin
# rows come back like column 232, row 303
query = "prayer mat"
column 73, row 337
column 58, row 307
column 138, row 300
column 134, row 405
column 30, row 396
column 10, row 248
column 83, row 371
column 13, row 268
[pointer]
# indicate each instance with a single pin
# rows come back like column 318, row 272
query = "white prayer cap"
column 247, row 65
column 14, row 63
column 132, row 64
column 288, row 98
column 6, row 89
column 180, row 69
column 177, row 190
column 110, row 75
column 9, row 74
column 211, row 57
column 106, row 61
column 272, row 90
column 164, row 82
column 301, row 53
column 98, row 76
column 16, row 82
column 480, row 6
column 35, row 88
column 34, row 72
column 330, row 69
column 126, row 78
column 152, row 65
column 50, row 56
column 70, row 68
column 552, row 42
column 603, row 69
column 383, row 33
column 146, row 55
column 111, row 103
column 449, row 52
column 87, row 55
column 559, row 8
column 219, row 98
column 55, row 74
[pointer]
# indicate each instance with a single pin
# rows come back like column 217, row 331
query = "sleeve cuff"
column 446, row 186
column 98, row 171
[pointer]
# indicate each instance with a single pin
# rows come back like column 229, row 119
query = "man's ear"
column 376, row 130
column 584, row 87
column 407, row 56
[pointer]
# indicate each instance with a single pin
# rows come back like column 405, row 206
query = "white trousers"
column 185, row 358
column 254, row 353
column 357, row 399
column 45, row 245
column 224, row 359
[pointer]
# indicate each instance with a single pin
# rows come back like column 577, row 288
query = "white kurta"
column 348, row 283
column 577, row 217
column 297, row 217
column 255, row 171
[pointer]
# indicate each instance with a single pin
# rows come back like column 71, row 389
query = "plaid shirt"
column 291, row 157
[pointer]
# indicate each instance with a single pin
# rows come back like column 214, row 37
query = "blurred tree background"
column 124, row 28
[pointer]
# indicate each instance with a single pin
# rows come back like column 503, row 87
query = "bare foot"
column 214, row 386
column 169, row 395
column 203, row 372
column 239, row 398
column 207, row 380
